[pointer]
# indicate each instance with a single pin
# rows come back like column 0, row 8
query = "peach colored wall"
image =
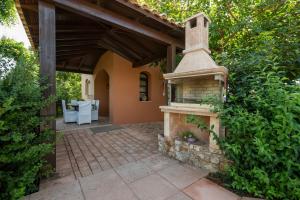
column 105, row 63
column 124, row 103
column 102, row 92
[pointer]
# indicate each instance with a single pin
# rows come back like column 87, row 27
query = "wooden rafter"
column 99, row 13
column 75, row 45
column 134, row 33
column 75, row 70
column 121, row 44
column 107, row 44
column 146, row 61
column 134, row 46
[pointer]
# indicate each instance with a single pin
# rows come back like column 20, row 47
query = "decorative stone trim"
column 197, row 155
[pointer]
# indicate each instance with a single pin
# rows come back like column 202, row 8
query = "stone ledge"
column 197, row 155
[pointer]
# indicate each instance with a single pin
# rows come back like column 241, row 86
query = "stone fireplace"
column 196, row 79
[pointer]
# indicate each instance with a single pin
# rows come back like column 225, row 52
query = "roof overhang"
column 87, row 29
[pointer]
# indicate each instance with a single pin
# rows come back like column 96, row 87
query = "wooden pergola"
column 71, row 35
column 80, row 31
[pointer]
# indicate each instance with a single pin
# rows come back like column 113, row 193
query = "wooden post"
column 171, row 58
column 48, row 62
column 171, row 65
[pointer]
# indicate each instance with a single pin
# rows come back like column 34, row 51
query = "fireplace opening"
column 180, row 127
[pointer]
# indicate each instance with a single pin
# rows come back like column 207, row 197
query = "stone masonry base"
column 197, row 155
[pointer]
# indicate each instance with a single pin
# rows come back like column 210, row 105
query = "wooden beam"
column 131, row 44
column 30, row 7
column 99, row 13
column 65, row 56
column 71, row 48
column 75, row 50
column 24, row 22
column 171, row 58
column 147, row 60
column 74, row 70
column 78, row 38
column 85, row 31
column 123, row 45
column 48, row 62
column 76, row 45
column 85, row 34
column 106, row 44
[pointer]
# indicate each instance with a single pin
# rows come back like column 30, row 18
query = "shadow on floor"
column 62, row 126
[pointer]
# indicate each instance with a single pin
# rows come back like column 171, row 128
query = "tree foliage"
column 23, row 146
column 262, row 117
column 68, row 85
column 249, row 25
column 7, row 12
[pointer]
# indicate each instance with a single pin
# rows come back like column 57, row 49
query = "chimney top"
column 197, row 15
column 196, row 33
column 196, row 60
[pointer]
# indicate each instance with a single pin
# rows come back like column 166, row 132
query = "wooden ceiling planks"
column 117, row 25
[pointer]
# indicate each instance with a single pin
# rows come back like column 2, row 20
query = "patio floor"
column 84, row 151
column 122, row 164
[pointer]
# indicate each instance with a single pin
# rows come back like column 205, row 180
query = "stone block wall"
column 200, row 88
column 197, row 155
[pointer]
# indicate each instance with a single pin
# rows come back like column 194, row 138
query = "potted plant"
column 189, row 137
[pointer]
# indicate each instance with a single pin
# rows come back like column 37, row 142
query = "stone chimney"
column 196, row 60
column 196, row 78
column 196, row 33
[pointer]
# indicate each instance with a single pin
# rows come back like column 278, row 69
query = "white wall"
column 89, row 94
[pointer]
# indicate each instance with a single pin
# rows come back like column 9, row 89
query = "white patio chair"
column 84, row 112
column 95, row 110
column 69, row 115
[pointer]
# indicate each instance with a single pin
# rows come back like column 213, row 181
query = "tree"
column 7, row 12
column 248, row 25
column 23, row 146
column 68, row 85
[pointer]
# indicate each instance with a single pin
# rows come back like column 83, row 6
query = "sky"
column 16, row 32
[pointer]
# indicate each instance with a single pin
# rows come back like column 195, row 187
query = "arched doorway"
column 101, row 89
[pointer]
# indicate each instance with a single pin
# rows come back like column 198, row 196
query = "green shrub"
column 263, row 139
column 23, row 146
column 262, row 121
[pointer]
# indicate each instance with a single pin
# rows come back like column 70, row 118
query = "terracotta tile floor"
column 123, row 165
column 81, row 152
column 207, row 190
